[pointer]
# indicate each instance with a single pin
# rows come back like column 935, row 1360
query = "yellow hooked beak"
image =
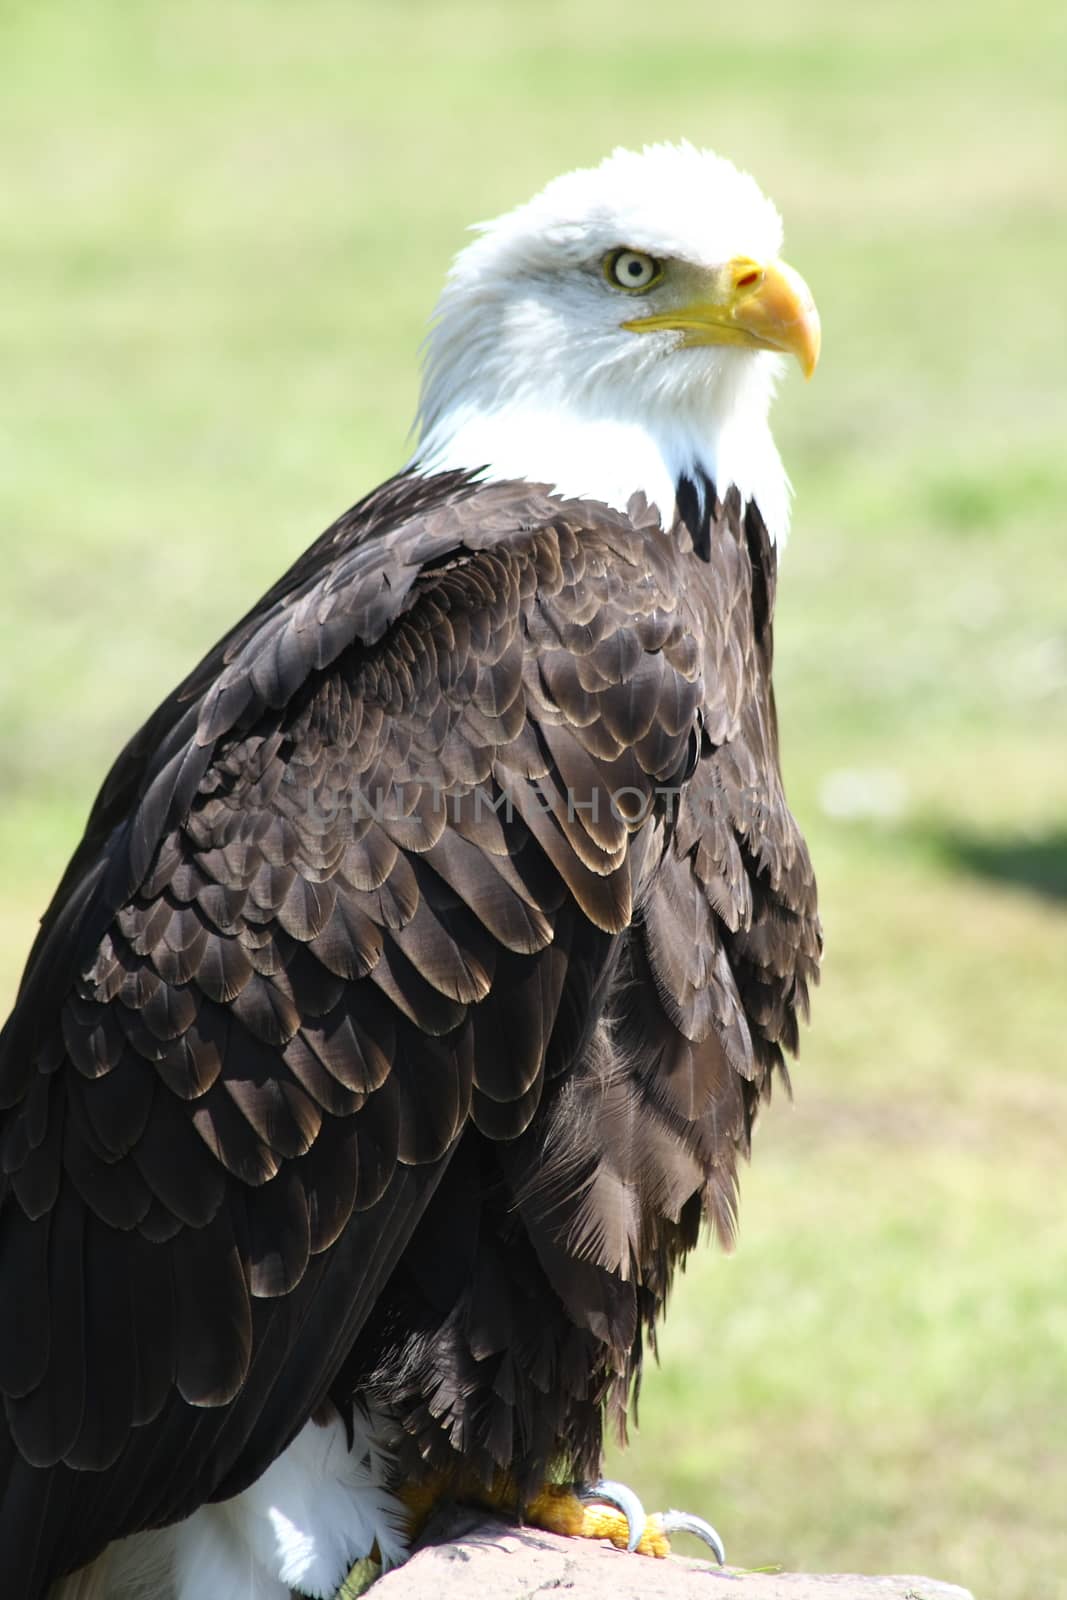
column 745, row 303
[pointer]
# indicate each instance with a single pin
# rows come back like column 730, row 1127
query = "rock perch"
column 475, row 1556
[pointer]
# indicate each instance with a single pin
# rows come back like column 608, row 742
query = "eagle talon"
column 612, row 1493
column 684, row 1522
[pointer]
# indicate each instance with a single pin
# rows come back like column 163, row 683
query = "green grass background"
column 222, row 226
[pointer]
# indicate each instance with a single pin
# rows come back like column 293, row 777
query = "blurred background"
column 224, row 224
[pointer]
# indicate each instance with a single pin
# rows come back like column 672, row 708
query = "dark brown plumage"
column 404, row 1008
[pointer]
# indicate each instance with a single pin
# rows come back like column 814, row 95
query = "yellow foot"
column 558, row 1509
column 363, row 1574
column 610, row 1510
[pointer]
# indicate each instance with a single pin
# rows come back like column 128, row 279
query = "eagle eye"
column 632, row 270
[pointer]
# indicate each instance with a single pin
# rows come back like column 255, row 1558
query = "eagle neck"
column 606, row 458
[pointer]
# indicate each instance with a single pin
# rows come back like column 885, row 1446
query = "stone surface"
column 497, row 1561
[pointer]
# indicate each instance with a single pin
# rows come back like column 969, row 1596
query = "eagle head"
column 623, row 329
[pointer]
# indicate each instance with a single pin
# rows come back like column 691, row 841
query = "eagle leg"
column 365, row 1572
column 603, row 1510
column 611, row 1510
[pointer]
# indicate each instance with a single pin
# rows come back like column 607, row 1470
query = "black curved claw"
column 685, row 1522
column 610, row 1493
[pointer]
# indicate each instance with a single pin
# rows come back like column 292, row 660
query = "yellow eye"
column 632, row 270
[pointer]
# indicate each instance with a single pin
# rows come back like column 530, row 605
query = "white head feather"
column 530, row 374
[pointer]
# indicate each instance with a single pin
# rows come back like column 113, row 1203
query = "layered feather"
column 467, row 846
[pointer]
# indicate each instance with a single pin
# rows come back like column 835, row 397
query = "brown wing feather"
column 268, row 938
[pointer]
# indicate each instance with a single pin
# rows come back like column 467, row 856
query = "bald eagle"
column 410, row 997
